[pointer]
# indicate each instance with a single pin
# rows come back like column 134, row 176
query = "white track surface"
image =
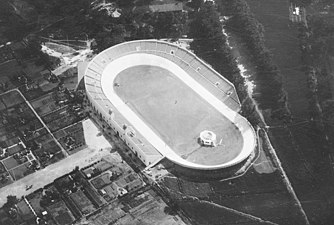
column 122, row 63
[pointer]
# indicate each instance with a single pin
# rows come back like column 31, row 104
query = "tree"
column 168, row 24
column 195, row 4
column 125, row 3
column 106, row 39
column 11, row 201
column 210, row 42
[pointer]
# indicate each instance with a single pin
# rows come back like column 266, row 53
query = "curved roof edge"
column 96, row 67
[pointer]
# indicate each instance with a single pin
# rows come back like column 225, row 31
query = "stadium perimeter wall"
column 203, row 73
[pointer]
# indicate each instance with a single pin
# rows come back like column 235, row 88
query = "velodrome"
column 198, row 76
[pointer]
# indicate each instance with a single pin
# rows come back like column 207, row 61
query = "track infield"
column 177, row 114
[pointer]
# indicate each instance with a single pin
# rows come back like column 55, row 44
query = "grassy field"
column 10, row 163
column 61, row 214
column 20, row 171
column 177, row 114
column 8, row 72
column 34, row 200
column 146, row 208
column 25, row 211
column 11, row 99
column 4, row 218
column 15, row 149
column 259, row 194
column 282, row 41
column 81, row 200
column 44, row 105
column 59, row 119
column 77, row 133
column 300, row 146
column 50, row 152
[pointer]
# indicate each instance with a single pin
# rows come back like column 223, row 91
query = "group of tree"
column 243, row 24
column 132, row 25
column 301, row 2
column 316, row 46
column 14, row 26
column 209, row 43
column 72, row 19
column 305, row 3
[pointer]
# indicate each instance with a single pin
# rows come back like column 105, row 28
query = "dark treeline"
column 317, row 49
column 301, row 2
column 79, row 19
column 305, row 3
column 209, row 43
column 268, row 78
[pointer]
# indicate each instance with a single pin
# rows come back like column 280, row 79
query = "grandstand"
column 216, row 101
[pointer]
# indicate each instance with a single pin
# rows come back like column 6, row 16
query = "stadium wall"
column 140, row 147
column 147, row 159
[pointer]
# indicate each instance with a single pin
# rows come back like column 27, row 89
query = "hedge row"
column 242, row 22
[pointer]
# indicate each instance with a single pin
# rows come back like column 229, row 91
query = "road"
column 95, row 142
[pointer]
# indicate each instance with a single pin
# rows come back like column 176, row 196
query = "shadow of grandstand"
column 210, row 175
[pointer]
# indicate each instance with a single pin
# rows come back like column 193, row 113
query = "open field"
column 147, row 208
column 60, row 113
column 11, row 163
column 8, row 71
column 4, row 218
column 81, row 200
column 44, row 105
column 72, row 138
column 262, row 196
column 21, row 171
column 17, row 118
column 59, row 119
column 49, row 152
column 25, row 211
column 259, row 194
column 177, row 114
column 34, row 200
column 282, row 40
column 11, row 99
column 61, row 214
column 300, row 146
column 15, row 149
column 37, row 133
column 8, row 138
